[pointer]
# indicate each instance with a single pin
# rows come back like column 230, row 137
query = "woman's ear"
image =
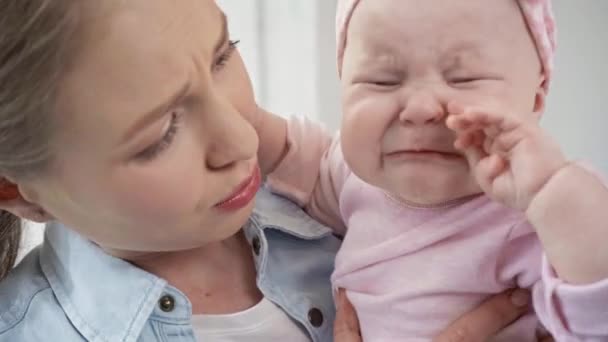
column 12, row 200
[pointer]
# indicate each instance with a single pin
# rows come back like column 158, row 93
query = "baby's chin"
column 428, row 188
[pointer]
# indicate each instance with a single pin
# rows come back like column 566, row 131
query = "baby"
column 443, row 183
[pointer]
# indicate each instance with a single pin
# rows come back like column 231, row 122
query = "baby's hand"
column 510, row 156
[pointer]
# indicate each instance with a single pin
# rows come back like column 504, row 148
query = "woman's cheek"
column 164, row 189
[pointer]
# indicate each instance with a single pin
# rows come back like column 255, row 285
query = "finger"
column 488, row 143
column 346, row 326
column 472, row 138
column 480, row 137
column 476, row 158
column 501, row 121
column 465, row 122
column 474, row 154
column 491, row 166
column 492, row 123
column 455, row 108
column 457, row 123
column 507, row 141
column 465, row 118
column 488, row 319
column 466, row 139
column 492, row 130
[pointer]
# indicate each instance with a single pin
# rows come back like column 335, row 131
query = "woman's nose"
column 231, row 139
column 421, row 108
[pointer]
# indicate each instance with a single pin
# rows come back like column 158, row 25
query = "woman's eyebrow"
column 159, row 111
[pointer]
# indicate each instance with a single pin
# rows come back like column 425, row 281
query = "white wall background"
column 577, row 113
column 288, row 46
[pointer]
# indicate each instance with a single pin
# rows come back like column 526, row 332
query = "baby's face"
column 405, row 60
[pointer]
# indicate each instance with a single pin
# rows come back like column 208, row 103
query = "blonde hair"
column 36, row 39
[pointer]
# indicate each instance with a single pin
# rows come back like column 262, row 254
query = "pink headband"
column 537, row 13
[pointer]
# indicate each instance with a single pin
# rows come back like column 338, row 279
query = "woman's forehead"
column 138, row 53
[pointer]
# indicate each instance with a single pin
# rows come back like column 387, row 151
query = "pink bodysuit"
column 410, row 272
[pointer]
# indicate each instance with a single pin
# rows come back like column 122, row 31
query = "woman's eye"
column 225, row 56
column 154, row 150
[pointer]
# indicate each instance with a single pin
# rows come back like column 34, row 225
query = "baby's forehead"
column 528, row 22
column 434, row 9
column 456, row 25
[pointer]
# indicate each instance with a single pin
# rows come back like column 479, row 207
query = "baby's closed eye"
column 383, row 79
column 470, row 78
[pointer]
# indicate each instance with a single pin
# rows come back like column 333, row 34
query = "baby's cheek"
column 489, row 95
column 366, row 118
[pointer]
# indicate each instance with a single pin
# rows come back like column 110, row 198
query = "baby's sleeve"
column 568, row 312
column 571, row 312
column 313, row 172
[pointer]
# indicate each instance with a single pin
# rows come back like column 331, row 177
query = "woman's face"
column 153, row 135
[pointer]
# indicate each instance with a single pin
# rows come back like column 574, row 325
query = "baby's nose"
column 421, row 108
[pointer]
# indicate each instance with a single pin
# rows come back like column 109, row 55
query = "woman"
column 125, row 124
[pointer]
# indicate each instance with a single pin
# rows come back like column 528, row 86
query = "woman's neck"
column 218, row 278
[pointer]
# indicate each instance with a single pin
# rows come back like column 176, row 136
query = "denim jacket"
column 70, row 290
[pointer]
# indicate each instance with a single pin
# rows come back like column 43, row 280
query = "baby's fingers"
column 488, row 169
column 473, row 119
column 469, row 138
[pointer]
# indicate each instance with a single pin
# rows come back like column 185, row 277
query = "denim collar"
column 108, row 299
column 275, row 212
column 105, row 298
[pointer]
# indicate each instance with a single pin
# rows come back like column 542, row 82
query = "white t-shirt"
column 262, row 323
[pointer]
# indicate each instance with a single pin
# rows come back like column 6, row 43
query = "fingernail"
column 520, row 298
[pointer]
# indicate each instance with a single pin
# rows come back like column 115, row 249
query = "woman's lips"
column 244, row 193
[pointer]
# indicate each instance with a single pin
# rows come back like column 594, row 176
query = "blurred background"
column 289, row 49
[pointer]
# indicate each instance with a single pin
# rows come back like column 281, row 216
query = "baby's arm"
column 304, row 164
column 272, row 134
column 570, row 214
column 568, row 312
column 571, row 312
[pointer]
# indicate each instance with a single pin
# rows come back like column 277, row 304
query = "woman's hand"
column 477, row 326
column 346, row 327
column 488, row 319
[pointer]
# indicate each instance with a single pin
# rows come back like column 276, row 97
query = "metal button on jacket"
column 167, row 303
column 315, row 317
